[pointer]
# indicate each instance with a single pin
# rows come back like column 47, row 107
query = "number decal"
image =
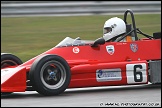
column 136, row 73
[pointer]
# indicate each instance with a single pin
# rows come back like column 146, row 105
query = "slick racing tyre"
column 50, row 75
column 9, row 60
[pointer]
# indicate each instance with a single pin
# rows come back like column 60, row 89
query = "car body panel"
column 116, row 59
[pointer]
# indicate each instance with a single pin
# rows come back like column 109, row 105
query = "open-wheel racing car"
column 75, row 63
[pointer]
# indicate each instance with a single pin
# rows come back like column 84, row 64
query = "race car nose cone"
column 13, row 79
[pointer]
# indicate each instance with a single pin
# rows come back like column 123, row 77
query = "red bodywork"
column 87, row 64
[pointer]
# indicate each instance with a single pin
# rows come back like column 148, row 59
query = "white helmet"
column 113, row 27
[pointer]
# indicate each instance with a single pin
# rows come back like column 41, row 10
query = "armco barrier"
column 63, row 8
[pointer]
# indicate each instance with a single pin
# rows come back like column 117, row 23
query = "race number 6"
column 136, row 73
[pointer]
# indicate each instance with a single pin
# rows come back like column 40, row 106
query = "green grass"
column 27, row 37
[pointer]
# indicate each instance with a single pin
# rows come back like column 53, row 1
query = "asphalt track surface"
column 112, row 96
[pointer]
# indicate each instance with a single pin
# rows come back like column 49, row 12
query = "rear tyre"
column 50, row 75
column 9, row 60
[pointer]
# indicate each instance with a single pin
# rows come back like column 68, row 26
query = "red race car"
column 84, row 63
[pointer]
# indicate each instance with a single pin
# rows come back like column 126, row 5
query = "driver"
column 113, row 28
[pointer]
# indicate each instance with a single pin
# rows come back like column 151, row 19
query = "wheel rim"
column 53, row 74
column 7, row 63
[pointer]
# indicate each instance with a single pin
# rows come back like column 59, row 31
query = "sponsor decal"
column 76, row 50
column 134, row 47
column 4, row 71
column 103, row 75
column 8, row 71
column 110, row 49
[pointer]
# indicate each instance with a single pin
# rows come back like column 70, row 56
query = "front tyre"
column 50, row 75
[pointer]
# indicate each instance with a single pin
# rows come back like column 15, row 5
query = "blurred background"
column 69, row 8
column 29, row 28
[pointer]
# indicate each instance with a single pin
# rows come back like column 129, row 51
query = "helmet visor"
column 107, row 30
